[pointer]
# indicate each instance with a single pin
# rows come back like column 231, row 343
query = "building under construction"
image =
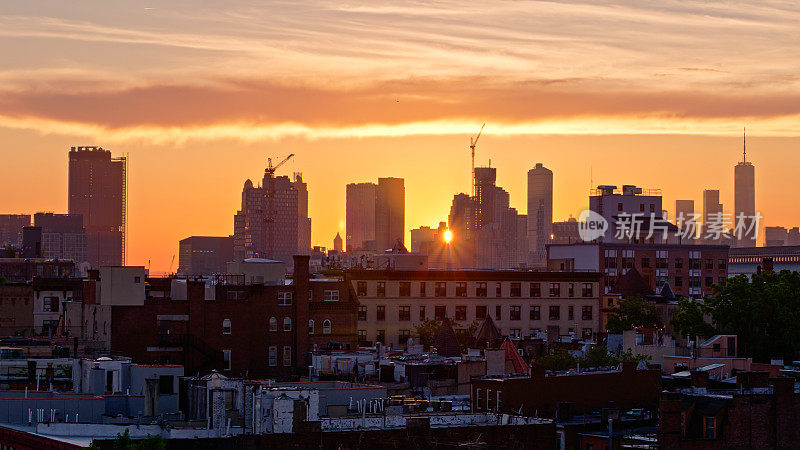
column 273, row 221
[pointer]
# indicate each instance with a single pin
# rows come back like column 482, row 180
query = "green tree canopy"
column 763, row 311
column 690, row 320
column 631, row 313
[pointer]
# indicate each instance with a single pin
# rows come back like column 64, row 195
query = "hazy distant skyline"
column 200, row 94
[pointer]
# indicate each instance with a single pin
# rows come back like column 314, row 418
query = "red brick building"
column 16, row 308
column 258, row 330
column 753, row 415
column 541, row 394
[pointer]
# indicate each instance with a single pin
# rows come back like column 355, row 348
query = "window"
column 405, row 289
column 586, row 313
column 310, row 327
column 678, row 281
column 480, row 312
column 534, row 333
column 404, row 336
column 722, row 264
column 694, row 263
column 694, row 282
column 570, row 312
column 641, row 207
column 555, row 289
column 536, row 290
column 497, row 312
column 273, row 324
column 481, row 290
column 439, row 312
column 461, row 289
column 422, row 289
column 381, row 313
column 498, row 289
column 362, row 313
column 137, row 279
column 287, row 356
column 362, row 336
column 381, row 289
column 514, row 333
column 619, row 206
column 489, row 400
column 226, row 326
column 361, row 288
column 679, row 263
column 422, row 313
column 610, row 302
column 709, row 427
column 326, row 326
column 331, row 295
column 555, row 312
column 478, row 399
column 571, row 290
column 535, row 313
column 461, row 312
column 516, row 290
column 166, row 384
column 273, row 356
column 514, row 312
column 709, row 263
column 50, row 304
column 287, row 324
column 587, row 290
column 404, row 313
column 226, row 359
column 440, row 289
column 380, row 336
column 284, row 298
column 709, row 281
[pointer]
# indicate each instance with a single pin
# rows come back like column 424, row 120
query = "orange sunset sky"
column 199, row 94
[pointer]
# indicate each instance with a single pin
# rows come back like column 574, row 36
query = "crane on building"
column 269, row 188
column 472, row 144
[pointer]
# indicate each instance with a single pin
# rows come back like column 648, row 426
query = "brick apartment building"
column 16, row 308
column 690, row 270
column 394, row 302
column 760, row 412
column 540, row 394
column 258, row 330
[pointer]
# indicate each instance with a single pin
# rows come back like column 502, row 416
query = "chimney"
column 302, row 286
column 768, row 266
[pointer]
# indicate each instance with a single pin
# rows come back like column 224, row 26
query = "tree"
column 560, row 359
column 598, row 356
column 631, row 313
column 690, row 320
column 427, row 331
column 763, row 311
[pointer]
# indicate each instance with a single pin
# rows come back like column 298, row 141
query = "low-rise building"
column 394, row 302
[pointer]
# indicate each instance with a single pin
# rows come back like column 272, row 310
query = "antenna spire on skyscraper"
column 744, row 144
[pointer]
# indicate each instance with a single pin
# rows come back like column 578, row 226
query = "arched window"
column 226, row 326
column 273, row 324
column 310, row 327
column 287, row 324
column 326, row 327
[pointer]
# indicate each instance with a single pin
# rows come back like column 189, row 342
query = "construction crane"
column 269, row 187
column 270, row 170
column 472, row 144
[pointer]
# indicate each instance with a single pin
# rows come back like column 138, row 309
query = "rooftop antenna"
column 472, row 144
column 744, row 144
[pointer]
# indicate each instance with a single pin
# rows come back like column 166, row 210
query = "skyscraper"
column 684, row 213
column 98, row 192
column 540, row 212
column 745, row 200
column 204, row 255
column 390, row 213
column 711, row 207
column 269, row 223
column 303, row 221
column 337, row 243
column 360, row 220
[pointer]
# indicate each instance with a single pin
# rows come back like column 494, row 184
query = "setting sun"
column 448, row 236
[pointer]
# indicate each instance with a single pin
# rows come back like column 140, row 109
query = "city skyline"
column 199, row 111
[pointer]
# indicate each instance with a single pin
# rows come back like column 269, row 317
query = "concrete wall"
column 122, row 285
